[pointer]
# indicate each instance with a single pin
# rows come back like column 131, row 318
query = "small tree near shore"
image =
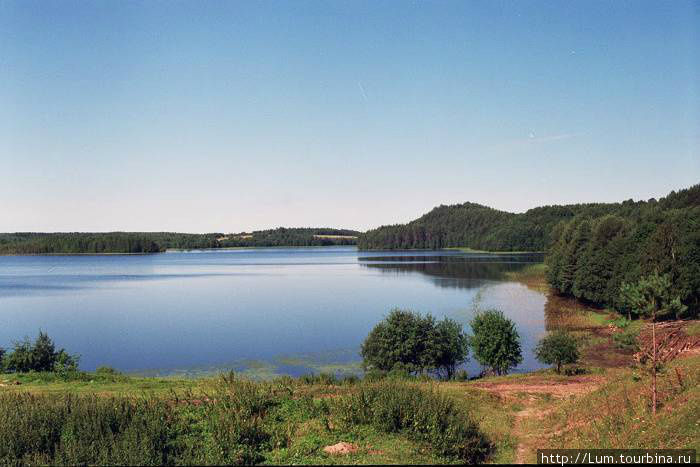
column 557, row 348
column 415, row 343
column 651, row 298
column 39, row 356
column 495, row 342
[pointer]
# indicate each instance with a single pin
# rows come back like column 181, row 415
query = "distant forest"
column 479, row 227
column 154, row 242
column 591, row 248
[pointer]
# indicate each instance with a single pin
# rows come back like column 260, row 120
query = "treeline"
column 154, row 242
column 591, row 257
column 74, row 242
column 291, row 237
column 479, row 227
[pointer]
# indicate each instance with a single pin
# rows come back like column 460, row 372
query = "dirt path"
column 539, row 398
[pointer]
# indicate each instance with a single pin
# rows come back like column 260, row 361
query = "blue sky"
column 229, row 116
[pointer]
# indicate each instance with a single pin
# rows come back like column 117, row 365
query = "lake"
column 258, row 311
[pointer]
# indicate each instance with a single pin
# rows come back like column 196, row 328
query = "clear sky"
column 226, row 116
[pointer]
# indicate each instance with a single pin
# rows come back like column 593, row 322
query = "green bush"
column 424, row 415
column 407, row 341
column 106, row 370
column 326, row 379
column 557, row 348
column 231, row 425
column 496, row 342
column 39, row 356
column 627, row 340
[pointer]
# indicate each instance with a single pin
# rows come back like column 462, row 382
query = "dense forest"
column 479, row 227
column 153, row 242
column 591, row 257
column 592, row 249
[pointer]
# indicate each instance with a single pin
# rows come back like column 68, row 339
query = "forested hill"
column 483, row 228
column 479, row 227
column 153, row 242
column 590, row 258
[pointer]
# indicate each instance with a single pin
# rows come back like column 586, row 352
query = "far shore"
column 176, row 250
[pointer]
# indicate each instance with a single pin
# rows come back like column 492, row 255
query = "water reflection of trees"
column 451, row 271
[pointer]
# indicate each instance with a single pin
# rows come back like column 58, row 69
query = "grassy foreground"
column 111, row 419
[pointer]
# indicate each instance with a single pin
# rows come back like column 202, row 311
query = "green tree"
column 495, row 341
column 408, row 341
column 20, row 358
column 557, row 348
column 400, row 339
column 39, row 356
column 574, row 255
column 448, row 348
column 651, row 297
column 43, row 353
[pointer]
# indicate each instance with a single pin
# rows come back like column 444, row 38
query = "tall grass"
column 84, row 430
column 424, row 415
column 618, row 415
column 224, row 428
column 238, row 422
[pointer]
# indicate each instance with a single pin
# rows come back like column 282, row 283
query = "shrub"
column 20, row 359
column 232, row 429
column 558, row 348
column 400, row 338
column 495, row 343
column 40, row 356
column 627, row 340
column 350, row 380
column 423, row 415
column 325, row 379
column 106, row 370
column 407, row 341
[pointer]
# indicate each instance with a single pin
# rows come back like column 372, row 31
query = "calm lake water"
column 259, row 311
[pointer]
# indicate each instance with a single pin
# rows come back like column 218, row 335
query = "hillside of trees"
column 153, row 242
column 590, row 258
column 592, row 249
column 479, row 227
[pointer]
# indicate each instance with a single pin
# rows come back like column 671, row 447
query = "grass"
column 693, row 329
column 107, row 418
column 494, row 415
column 50, row 419
column 90, row 383
column 617, row 415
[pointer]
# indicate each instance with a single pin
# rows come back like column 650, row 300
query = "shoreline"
column 179, row 250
